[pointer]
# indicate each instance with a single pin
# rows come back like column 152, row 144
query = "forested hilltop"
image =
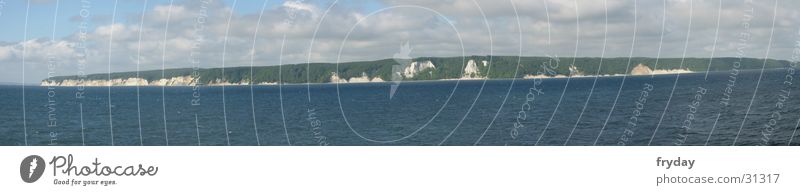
column 423, row 68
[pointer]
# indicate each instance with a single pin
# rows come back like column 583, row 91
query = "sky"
column 41, row 38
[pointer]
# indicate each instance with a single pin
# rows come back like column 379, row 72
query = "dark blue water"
column 495, row 112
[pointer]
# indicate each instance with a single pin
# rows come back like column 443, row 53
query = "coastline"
column 434, row 69
column 405, row 81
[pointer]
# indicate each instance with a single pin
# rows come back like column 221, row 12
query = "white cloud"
column 5, row 53
column 300, row 6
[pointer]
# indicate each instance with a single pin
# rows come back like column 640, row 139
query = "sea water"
column 686, row 109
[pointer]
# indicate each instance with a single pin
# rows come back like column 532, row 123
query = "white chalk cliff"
column 642, row 69
column 639, row 69
column 573, row 71
column 362, row 79
column 471, row 71
column 174, row 81
column 416, row 67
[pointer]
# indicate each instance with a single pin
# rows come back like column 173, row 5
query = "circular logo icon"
column 31, row 168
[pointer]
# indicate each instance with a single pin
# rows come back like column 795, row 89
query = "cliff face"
column 574, row 71
column 642, row 69
column 362, row 79
column 408, row 71
column 421, row 68
column 471, row 71
column 174, row 81
column 639, row 69
column 416, row 67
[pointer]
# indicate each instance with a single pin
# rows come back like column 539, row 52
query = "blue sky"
column 40, row 18
column 42, row 13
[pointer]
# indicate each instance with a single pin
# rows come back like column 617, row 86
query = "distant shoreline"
column 422, row 69
column 408, row 81
column 419, row 81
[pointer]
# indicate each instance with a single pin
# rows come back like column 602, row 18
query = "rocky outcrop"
column 642, row 69
column 672, row 71
column 336, row 79
column 573, row 71
column 220, row 82
column 471, row 71
column 362, row 79
column 416, row 67
column 174, row 81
